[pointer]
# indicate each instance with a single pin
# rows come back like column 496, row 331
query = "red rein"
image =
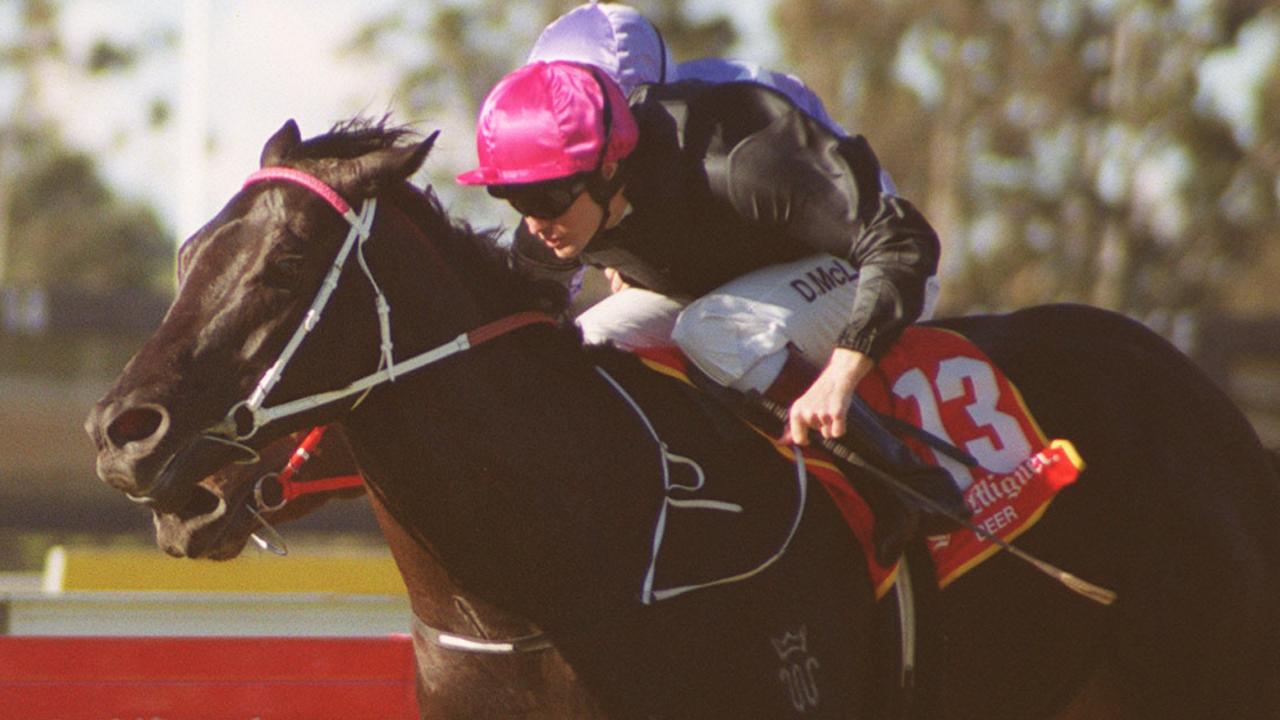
column 289, row 489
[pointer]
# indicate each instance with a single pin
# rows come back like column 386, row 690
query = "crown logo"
column 791, row 643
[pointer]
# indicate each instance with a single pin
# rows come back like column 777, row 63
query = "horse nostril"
column 135, row 425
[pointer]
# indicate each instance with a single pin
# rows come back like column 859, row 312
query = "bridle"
column 247, row 416
column 276, row 489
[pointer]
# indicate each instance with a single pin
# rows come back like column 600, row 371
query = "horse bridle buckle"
column 260, row 491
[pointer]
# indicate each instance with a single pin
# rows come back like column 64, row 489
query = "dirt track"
column 44, row 452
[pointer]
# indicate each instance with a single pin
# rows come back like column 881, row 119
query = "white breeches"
column 738, row 333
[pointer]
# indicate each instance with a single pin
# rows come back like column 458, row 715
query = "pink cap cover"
column 545, row 121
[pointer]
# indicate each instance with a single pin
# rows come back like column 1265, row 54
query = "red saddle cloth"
column 940, row 381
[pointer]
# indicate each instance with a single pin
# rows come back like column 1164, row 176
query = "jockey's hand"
column 617, row 283
column 825, row 405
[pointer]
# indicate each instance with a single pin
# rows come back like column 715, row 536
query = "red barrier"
column 154, row 678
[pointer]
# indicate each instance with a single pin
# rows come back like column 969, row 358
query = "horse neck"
column 434, row 596
column 478, row 457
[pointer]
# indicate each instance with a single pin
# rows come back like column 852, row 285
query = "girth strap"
column 469, row 643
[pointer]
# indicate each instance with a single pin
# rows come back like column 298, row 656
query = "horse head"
column 247, row 280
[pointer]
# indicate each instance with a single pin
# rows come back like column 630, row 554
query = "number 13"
column 1010, row 445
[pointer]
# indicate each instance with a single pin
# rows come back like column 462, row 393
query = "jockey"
column 726, row 218
column 619, row 40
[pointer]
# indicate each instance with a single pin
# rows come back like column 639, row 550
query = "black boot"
column 896, row 520
column 886, row 452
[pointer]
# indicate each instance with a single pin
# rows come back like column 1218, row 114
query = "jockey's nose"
column 538, row 226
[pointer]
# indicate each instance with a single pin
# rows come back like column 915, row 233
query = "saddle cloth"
column 941, row 382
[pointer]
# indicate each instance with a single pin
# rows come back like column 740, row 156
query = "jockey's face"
column 568, row 234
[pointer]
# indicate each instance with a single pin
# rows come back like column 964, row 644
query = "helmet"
column 613, row 37
column 546, row 121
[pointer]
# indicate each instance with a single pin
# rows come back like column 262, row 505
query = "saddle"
column 950, row 404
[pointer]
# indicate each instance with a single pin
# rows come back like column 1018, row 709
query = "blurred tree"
column 36, row 42
column 68, row 229
column 1070, row 151
column 1064, row 150
column 450, row 54
column 59, row 222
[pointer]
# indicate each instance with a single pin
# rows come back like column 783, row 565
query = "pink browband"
column 307, row 181
column 244, row 418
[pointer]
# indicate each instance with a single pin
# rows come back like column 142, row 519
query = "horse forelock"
column 352, row 138
column 346, row 140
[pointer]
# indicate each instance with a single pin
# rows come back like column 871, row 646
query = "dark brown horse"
column 533, row 472
column 226, row 511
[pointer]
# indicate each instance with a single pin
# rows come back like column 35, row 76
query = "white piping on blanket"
column 650, row 595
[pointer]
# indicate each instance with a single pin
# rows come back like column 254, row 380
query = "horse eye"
column 282, row 271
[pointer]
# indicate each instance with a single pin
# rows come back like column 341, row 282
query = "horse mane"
column 481, row 252
column 486, row 260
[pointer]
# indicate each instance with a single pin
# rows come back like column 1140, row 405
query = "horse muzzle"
column 138, row 455
column 206, row 527
column 129, row 438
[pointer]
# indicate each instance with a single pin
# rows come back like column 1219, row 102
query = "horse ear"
column 278, row 147
column 383, row 168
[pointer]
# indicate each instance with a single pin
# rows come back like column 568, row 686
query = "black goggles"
column 544, row 200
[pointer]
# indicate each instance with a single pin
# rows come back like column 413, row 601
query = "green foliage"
column 687, row 38
column 159, row 113
column 60, row 224
column 451, row 53
column 68, row 229
column 1064, row 150
column 106, row 56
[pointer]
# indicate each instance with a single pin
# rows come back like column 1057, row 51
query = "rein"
column 246, row 417
column 275, row 490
